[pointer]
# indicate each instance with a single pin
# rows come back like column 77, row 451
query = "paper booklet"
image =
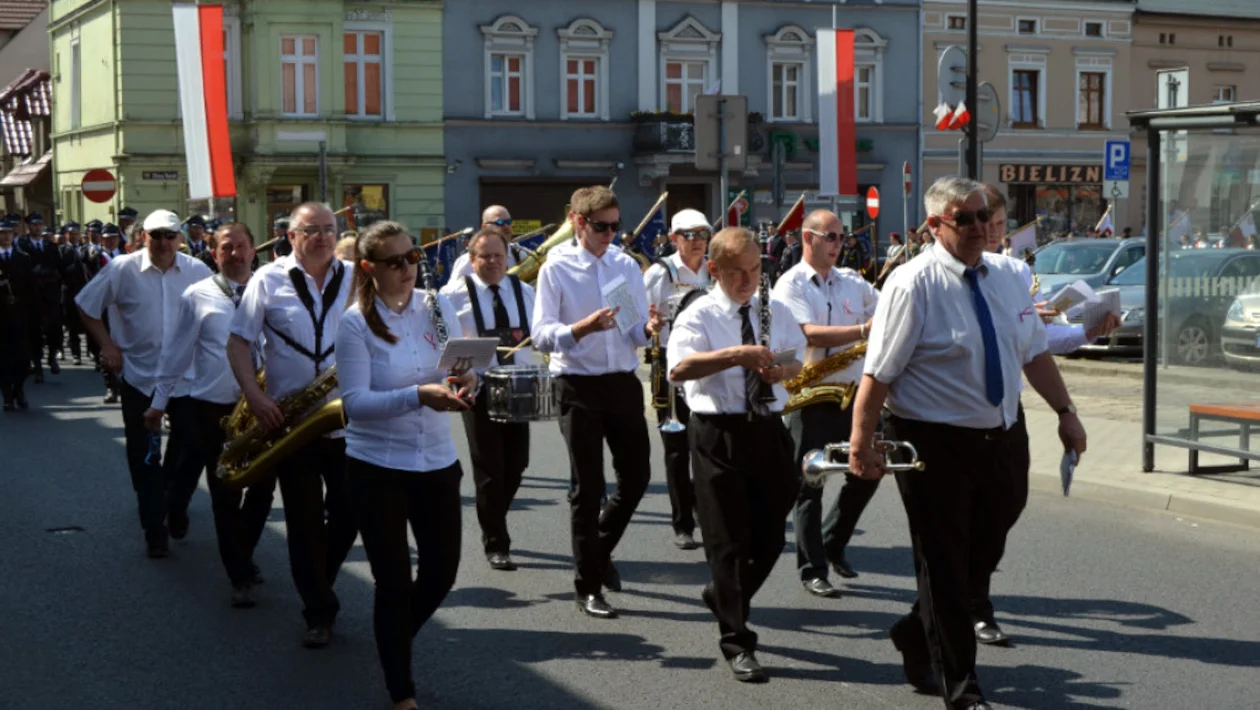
column 468, row 353
column 1093, row 306
column 617, row 295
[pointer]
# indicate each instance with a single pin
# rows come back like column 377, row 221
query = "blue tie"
column 992, row 357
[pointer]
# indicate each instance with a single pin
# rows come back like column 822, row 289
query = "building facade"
column 362, row 78
column 1061, row 74
column 1189, row 54
column 547, row 96
column 25, row 178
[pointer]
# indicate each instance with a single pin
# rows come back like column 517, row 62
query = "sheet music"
column 468, row 353
column 1095, row 311
column 617, row 295
column 1072, row 295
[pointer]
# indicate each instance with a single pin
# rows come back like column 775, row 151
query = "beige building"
column 1061, row 73
column 1180, row 59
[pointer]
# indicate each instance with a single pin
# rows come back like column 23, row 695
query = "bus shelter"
column 1199, row 298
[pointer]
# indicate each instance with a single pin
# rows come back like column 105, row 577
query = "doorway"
column 283, row 199
column 684, row 196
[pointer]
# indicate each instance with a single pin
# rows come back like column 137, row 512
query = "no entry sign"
column 872, row 203
column 99, row 185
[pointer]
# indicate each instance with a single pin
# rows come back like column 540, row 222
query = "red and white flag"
column 837, row 120
column 203, row 98
column 794, row 219
column 1105, row 225
column 961, row 117
column 943, row 116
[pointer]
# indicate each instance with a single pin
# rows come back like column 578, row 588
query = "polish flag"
column 794, row 219
column 837, row 128
column 203, row 98
column 961, row 117
column 943, row 115
column 1105, row 225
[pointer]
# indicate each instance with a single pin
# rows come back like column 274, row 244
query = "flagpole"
column 648, row 217
column 729, row 207
column 534, row 233
column 1022, row 227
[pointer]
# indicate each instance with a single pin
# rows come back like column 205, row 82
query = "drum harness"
column 508, row 336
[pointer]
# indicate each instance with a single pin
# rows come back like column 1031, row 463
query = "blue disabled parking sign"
column 1116, row 161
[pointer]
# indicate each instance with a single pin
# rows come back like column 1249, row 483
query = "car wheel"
column 1194, row 342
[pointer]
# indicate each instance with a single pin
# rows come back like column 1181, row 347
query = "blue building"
column 546, row 96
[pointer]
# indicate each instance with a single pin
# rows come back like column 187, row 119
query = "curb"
column 1129, row 496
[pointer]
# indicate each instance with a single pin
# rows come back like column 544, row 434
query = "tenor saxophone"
column 804, row 389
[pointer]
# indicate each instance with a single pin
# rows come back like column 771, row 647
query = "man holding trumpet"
column 952, row 334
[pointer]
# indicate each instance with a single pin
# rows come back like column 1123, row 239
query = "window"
column 299, row 75
column 868, row 76
column 956, row 22
column 788, row 54
column 1163, row 38
column 1027, row 27
column 1172, row 38
column 584, row 69
column 1224, row 94
column 76, row 84
column 232, row 65
column 509, row 46
column 1093, row 29
column 364, row 54
column 864, row 92
column 688, row 55
column 1025, row 112
column 1091, row 102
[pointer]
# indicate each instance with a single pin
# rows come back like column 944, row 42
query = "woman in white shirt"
column 401, row 465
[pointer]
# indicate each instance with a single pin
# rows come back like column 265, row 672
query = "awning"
column 26, row 173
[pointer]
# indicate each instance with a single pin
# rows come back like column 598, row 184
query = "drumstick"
column 512, row 351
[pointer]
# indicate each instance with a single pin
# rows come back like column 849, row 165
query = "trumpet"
column 833, row 458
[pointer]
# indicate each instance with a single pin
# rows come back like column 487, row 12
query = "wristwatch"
column 1070, row 409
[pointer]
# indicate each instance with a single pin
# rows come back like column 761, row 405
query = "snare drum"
column 520, row 393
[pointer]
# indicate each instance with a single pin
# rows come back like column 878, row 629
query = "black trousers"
column 987, row 546
column 14, row 359
column 385, row 501
column 185, row 457
column 682, row 494
column 239, row 517
column 594, row 409
column 500, row 455
column 48, row 332
column 147, row 477
column 968, row 474
column 319, row 522
column 819, row 541
column 74, row 326
column 746, row 481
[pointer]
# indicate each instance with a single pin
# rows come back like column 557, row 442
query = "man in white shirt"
column 142, row 290
column 666, row 282
column 594, row 359
column 198, row 345
column 491, row 304
column 497, row 219
column 746, row 476
column 953, row 332
column 296, row 302
column 833, row 307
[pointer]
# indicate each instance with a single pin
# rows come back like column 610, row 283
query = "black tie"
column 754, row 386
column 501, row 324
column 240, row 291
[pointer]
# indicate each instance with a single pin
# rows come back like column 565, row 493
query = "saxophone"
column 804, row 389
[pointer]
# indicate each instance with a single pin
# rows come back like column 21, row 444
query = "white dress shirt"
column 457, row 292
column 845, row 298
column 143, row 302
column 463, row 263
column 569, row 289
column 712, row 323
column 926, row 343
column 1063, row 338
column 386, row 425
column 199, row 341
column 271, row 302
column 672, row 279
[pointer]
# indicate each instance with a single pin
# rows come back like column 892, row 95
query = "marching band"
column 326, row 377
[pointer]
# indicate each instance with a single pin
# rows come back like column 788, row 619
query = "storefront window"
column 1068, row 208
column 366, row 203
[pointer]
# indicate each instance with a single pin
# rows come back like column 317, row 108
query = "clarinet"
column 431, row 300
column 763, row 309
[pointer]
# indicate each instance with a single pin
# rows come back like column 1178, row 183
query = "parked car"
column 1240, row 334
column 1204, row 281
column 1093, row 261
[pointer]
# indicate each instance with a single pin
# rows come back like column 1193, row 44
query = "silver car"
column 1240, row 335
column 1094, row 261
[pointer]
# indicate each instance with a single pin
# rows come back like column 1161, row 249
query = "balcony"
column 665, row 137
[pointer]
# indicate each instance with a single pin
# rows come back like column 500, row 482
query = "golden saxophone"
column 250, row 452
column 527, row 269
column 804, row 389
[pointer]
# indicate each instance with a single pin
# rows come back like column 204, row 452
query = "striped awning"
column 26, row 173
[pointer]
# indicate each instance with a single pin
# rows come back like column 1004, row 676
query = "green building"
column 361, row 78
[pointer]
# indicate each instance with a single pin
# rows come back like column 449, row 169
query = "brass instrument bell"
column 833, row 458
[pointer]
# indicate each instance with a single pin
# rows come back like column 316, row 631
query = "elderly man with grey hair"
column 952, row 334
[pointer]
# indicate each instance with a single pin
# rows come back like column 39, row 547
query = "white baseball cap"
column 688, row 219
column 161, row 219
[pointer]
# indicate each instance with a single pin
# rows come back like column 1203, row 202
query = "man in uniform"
column 280, row 232
column 46, row 262
column 18, row 299
column 666, row 282
column 492, row 304
column 196, row 242
column 74, row 275
column 494, row 218
column 833, row 307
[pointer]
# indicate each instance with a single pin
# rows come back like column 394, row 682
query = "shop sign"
column 525, row 226
column 1050, row 174
column 160, row 174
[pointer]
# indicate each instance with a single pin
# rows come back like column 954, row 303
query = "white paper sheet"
column 1108, row 301
column 617, row 296
column 1073, row 295
column 468, row 353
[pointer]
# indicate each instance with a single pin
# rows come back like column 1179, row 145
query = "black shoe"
column 820, row 587
column 840, row 566
column 501, row 561
column 243, row 596
column 706, row 596
column 318, row 636
column 595, row 605
column 989, row 633
column 685, row 541
column 916, row 663
column 111, row 397
column 612, row 578
column 159, row 550
column 53, row 367
column 747, row 669
column 179, row 526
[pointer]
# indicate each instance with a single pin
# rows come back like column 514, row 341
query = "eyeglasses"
column 693, row 234
column 401, row 261
column 503, row 222
column 829, row 237
column 315, row 231
column 602, row 227
column 966, row 219
column 164, row 234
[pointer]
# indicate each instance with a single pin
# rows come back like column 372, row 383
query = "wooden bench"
column 1245, row 416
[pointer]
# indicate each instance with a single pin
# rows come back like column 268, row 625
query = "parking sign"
column 1116, row 161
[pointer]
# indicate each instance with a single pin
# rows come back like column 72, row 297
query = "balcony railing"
column 665, row 138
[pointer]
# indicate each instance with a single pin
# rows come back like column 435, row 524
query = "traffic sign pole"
column 905, row 204
column 872, row 211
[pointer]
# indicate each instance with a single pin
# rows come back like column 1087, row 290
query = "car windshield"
column 1075, row 258
column 1184, row 266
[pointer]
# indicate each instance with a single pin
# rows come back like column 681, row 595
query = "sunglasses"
column 829, row 237
column 505, row 222
column 403, row 260
column 605, row 226
column 693, row 234
column 966, row 219
column 164, row 234
column 315, row 231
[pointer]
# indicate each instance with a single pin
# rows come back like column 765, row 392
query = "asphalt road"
column 1110, row 607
